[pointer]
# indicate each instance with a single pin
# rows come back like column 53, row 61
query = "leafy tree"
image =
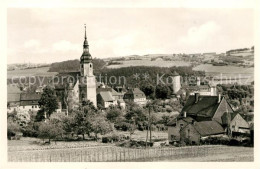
column 148, row 90
column 23, row 118
column 100, row 125
column 162, row 91
column 114, row 114
column 51, row 129
column 12, row 128
column 48, row 103
column 82, row 116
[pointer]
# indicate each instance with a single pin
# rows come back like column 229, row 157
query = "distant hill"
column 74, row 65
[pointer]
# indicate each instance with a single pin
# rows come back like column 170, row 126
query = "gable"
column 222, row 108
column 239, row 121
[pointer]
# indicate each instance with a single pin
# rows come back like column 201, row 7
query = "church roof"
column 62, row 79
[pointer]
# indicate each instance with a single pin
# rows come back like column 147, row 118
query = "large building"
column 135, row 95
column 87, row 83
column 204, row 116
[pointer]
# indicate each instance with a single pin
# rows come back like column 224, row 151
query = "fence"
column 114, row 154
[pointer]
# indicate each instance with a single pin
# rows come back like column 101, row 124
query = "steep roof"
column 186, row 119
column 13, row 97
column 106, row 96
column 30, row 96
column 104, row 90
column 205, row 107
column 13, row 89
column 13, row 93
column 207, row 128
column 136, row 93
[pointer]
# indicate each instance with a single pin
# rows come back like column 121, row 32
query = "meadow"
column 42, row 71
column 157, row 63
column 119, row 154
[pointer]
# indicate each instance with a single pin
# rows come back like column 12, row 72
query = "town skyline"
column 192, row 31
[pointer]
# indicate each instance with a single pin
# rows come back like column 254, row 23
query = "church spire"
column 85, row 44
column 85, row 57
column 85, row 32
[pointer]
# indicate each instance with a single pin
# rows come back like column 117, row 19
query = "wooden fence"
column 114, row 154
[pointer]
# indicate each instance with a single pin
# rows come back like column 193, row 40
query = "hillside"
column 73, row 65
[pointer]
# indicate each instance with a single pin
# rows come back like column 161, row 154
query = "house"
column 13, row 98
column 193, row 133
column 29, row 101
column 106, row 99
column 236, row 123
column 117, row 96
column 135, row 95
column 206, row 108
column 175, row 125
column 198, row 109
column 205, row 90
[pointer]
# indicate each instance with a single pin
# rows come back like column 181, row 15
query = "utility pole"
column 150, row 124
column 148, row 127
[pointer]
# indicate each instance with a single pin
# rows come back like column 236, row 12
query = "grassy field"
column 28, row 144
column 110, row 153
column 42, row 71
column 160, row 63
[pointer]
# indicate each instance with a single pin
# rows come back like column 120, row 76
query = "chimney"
column 198, row 81
column 193, row 122
column 184, row 114
column 197, row 97
column 219, row 98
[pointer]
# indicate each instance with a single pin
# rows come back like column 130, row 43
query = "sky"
column 47, row 35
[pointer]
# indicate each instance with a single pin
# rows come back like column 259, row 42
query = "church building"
column 87, row 81
column 73, row 87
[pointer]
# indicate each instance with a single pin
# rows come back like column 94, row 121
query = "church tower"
column 87, row 83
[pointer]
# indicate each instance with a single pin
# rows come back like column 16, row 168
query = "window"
column 174, row 125
column 82, row 66
column 90, row 65
column 173, row 137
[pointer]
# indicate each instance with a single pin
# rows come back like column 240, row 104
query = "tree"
column 23, row 118
column 100, row 125
column 162, row 91
column 51, row 129
column 48, row 103
column 113, row 114
column 148, row 90
column 82, row 116
column 12, row 128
